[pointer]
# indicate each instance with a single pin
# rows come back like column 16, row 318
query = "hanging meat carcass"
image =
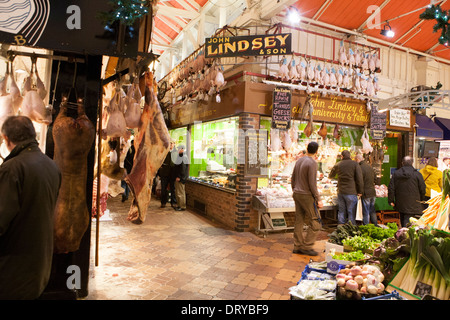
column 110, row 168
column 309, row 127
column 73, row 140
column 33, row 105
column 14, row 91
column 152, row 146
column 323, row 131
column 133, row 105
column 337, row 132
column 343, row 60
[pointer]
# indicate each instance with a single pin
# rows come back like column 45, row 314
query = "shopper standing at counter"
column 350, row 186
column 406, row 190
column 307, row 201
column 369, row 194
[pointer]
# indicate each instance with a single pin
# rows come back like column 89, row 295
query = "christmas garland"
column 442, row 17
column 125, row 11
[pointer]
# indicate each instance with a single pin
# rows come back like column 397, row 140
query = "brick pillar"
column 246, row 217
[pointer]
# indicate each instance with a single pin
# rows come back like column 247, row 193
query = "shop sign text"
column 258, row 45
column 336, row 110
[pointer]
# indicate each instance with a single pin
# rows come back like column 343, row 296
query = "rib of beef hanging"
column 73, row 139
column 152, row 146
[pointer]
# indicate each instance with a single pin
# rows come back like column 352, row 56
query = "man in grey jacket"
column 29, row 186
column 350, row 185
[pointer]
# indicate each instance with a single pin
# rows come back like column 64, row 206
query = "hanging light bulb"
column 293, row 15
column 387, row 31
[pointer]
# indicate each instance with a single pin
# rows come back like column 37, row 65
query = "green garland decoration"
column 442, row 17
column 125, row 11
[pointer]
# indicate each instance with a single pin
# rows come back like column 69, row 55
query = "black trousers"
column 168, row 181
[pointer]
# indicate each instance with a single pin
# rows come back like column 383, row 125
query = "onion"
column 340, row 276
column 380, row 287
column 363, row 289
column 340, row 282
column 359, row 279
column 348, row 277
column 372, row 289
column 356, row 270
column 351, row 285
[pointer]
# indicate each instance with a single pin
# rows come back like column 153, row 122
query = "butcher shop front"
column 241, row 164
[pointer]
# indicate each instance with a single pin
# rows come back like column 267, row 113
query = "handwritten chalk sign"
column 257, row 163
column 281, row 111
column 377, row 124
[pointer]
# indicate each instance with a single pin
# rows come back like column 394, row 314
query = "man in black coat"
column 406, row 190
column 167, row 175
column 350, row 185
column 369, row 194
column 29, row 187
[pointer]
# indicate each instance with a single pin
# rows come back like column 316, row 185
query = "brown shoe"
column 310, row 252
column 163, row 206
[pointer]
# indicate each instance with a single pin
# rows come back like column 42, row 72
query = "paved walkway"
column 180, row 255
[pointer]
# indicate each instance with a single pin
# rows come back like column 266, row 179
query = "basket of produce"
column 358, row 281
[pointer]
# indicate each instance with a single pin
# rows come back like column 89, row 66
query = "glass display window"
column 213, row 152
column 286, row 147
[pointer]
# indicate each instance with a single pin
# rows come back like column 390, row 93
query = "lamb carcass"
column 152, row 146
column 73, row 140
column 33, row 105
column 133, row 105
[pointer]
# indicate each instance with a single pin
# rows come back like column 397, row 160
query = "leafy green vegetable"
column 361, row 243
column 378, row 233
column 350, row 256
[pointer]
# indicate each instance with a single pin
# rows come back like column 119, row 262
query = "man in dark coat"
column 167, row 175
column 29, row 186
column 350, row 185
column 405, row 191
column 369, row 194
column 181, row 175
column 128, row 165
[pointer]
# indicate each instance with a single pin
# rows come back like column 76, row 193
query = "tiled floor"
column 177, row 255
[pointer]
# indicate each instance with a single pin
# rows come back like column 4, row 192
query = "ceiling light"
column 293, row 15
column 387, row 31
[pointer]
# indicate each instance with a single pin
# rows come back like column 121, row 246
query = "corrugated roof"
column 403, row 16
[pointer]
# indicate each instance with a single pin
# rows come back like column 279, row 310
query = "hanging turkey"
column 6, row 99
column 133, row 105
column 116, row 125
column 366, row 146
column 33, row 105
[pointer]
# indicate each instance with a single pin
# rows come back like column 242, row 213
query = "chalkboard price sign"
column 377, row 123
column 281, row 111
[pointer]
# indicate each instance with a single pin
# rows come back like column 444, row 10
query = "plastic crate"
column 394, row 294
column 308, row 270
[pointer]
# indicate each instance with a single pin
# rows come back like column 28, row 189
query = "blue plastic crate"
column 308, row 270
column 394, row 294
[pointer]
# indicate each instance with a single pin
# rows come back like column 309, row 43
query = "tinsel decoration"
column 125, row 11
column 441, row 16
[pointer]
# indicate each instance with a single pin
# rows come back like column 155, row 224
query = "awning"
column 444, row 124
column 427, row 128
